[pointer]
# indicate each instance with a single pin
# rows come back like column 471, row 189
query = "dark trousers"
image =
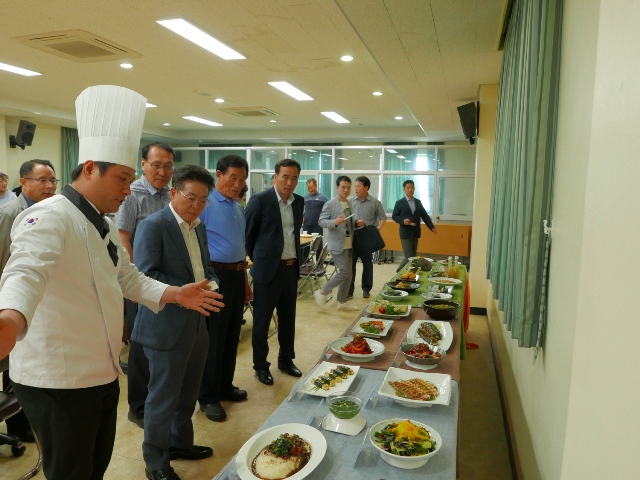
column 76, row 427
column 138, row 373
column 18, row 423
column 367, row 272
column 173, row 391
column 314, row 229
column 409, row 248
column 224, row 335
column 281, row 293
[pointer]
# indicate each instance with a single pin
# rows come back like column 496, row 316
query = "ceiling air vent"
column 246, row 112
column 78, row 45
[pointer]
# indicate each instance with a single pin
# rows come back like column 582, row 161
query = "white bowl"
column 400, row 295
column 377, row 348
column 397, row 460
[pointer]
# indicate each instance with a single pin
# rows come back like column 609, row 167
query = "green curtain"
column 70, row 146
column 523, row 166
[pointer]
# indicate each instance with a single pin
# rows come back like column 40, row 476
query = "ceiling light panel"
column 200, row 38
column 20, row 71
column 335, row 117
column 203, row 121
column 286, row 87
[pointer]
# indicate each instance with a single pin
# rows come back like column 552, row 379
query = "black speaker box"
column 469, row 121
column 24, row 137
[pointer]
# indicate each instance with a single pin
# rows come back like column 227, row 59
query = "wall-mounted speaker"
column 469, row 121
column 24, row 137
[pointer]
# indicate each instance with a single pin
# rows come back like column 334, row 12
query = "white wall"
column 574, row 413
column 47, row 145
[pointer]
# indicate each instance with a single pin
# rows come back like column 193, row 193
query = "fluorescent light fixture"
column 166, row 124
column 200, row 38
column 219, row 100
column 398, row 118
column 37, row 113
column 286, row 87
column 335, row 117
column 377, row 94
column 346, row 58
column 20, row 71
column 312, row 151
column 202, row 120
column 401, row 156
column 407, row 161
column 272, row 121
column 325, row 154
column 151, row 105
column 126, row 65
column 342, row 158
column 391, row 150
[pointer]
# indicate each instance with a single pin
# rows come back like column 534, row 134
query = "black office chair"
column 9, row 406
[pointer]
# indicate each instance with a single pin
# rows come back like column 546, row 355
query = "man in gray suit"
column 337, row 218
column 171, row 246
column 38, row 181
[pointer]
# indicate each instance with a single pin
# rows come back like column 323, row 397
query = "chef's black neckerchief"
column 93, row 216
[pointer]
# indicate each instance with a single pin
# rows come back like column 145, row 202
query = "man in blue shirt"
column 149, row 194
column 225, row 223
column 313, row 203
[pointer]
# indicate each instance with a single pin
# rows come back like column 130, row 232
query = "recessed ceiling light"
column 407, row 161
column 290, row 90
column 377, row 94
column 272, row 121
column 202, row 120
column 166, row 124
column 346, row 58
column 335, row 117
column 401, row 156
column 391, row 150
column 126, row 65
column 37, row 113
column 20, row 71
column 219, row 100
column 312, row 151
column 200, row 38
column 151, row 105
column 343, row 159
column 398, row 118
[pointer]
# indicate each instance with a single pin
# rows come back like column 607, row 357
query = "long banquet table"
column 354, row 457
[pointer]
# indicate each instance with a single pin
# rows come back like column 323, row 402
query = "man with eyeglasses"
column 337, row 218
column 6, row 195
column 149, row 194
column 225, row 223
column 38, row 181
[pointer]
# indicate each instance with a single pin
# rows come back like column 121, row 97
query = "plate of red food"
column 357, row 348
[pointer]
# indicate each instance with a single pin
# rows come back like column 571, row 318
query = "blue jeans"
column 367, row 272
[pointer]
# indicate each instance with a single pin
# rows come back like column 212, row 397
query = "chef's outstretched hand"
column 197, row 296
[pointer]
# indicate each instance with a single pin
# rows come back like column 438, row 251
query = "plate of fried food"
column 357, row 348
column 433, row 332
column 416, row 389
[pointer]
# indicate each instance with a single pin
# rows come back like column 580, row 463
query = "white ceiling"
column 426, row 57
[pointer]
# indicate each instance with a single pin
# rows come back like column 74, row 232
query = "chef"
column 61, row 293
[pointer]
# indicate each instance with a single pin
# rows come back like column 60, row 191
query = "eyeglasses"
column 196, row 201
column 42, row 181
column 166, row 168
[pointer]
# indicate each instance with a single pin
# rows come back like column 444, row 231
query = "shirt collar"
column 181, row 222
column 367, row 198
column 150, row 188
column 217, row 196
column 27, row 200
column 412, row 200
column 288, row 202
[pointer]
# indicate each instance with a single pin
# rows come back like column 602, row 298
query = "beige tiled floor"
column 483, row 443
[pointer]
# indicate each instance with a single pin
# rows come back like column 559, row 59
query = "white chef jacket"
column 61, row 278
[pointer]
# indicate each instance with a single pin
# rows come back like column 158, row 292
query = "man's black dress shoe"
column 236, row 395
column 163, row 474
column 25, row 436
column 214, row 411
column 264, row 376
column 137, row 419
column 197, row 452
column 290, row 369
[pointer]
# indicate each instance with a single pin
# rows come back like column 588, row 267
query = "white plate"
column 343, row 386
column 352, row 426
column 445, row 327
column 440, row 380
column 411, row 259
column 445, row 281
column 376, row 314
column 440, row 296
column 385, row 323
column 394, row 298
column 376, row 347
column 255, row 444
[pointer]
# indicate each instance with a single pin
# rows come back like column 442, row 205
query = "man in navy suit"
column 171, row 246
column 274, row 218
column 407, row 213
